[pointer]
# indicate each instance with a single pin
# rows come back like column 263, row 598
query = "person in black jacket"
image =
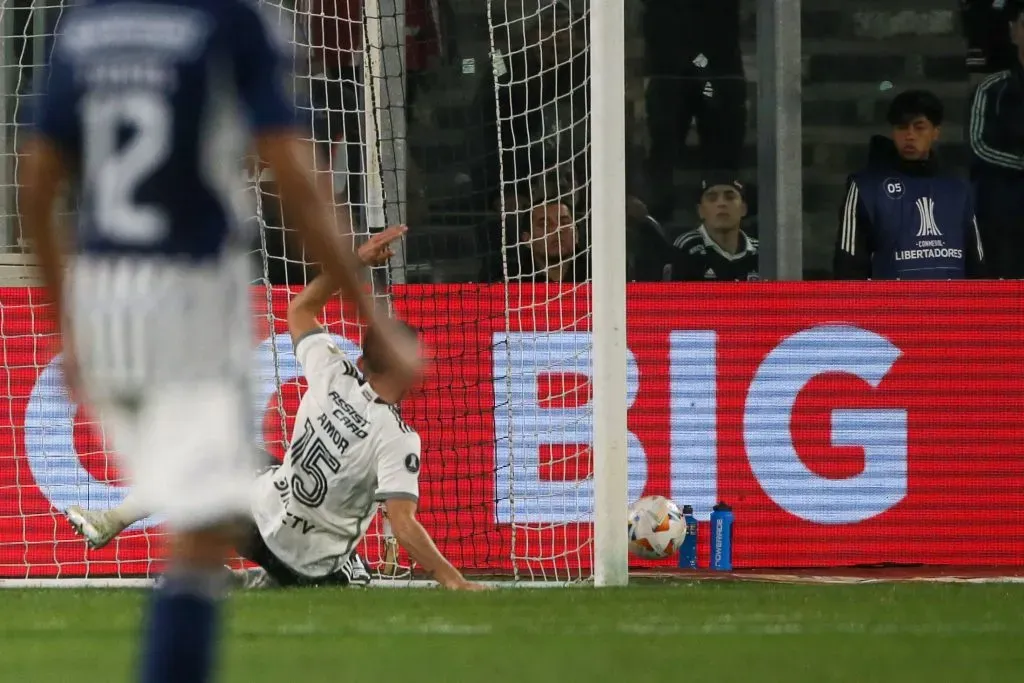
column 904, row 218
column 996, row 136
column 695, row 71
column 989, row 48
column 718, row 249
column 535, row 95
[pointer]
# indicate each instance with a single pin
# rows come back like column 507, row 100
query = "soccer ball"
column 656, row 528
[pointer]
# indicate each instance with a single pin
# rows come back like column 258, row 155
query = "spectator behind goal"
column 904, row 217
column 996, row 135
column 718, row 249
column 549, row 249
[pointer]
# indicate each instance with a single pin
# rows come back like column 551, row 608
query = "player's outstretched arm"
column 415, row 539
column 261, row 60
column 311, row 213
column 307, row 304
column 43, row 171
column 303, row 201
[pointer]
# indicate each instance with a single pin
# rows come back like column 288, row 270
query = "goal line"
column 116, row 583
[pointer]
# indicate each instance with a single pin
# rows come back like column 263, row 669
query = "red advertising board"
column 846, row 423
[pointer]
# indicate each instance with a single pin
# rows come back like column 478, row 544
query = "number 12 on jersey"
column 117, row 170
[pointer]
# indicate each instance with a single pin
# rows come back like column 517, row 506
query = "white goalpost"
column 608, row 290
column 525, row 478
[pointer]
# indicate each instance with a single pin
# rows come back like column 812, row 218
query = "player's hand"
column 636, row 209
column 473, row 587
column 460, row 584
column 377, row 250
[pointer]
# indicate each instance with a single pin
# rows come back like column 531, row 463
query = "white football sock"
column 128, row 512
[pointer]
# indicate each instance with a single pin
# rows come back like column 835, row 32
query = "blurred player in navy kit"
column 718, row 249
column 904, row 218
column 145, row 111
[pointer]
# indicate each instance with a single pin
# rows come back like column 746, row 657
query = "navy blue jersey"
column 155, row 104
column 905, row 226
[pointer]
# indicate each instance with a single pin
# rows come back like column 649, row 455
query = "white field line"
column 641, row 580
column 76, row 583
column 856, row 580
column 753, row 624
column 391, row 626
column 795, row 625
column 727, row 625
column 146, row 583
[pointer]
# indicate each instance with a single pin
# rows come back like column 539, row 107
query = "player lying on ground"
column 350, row 450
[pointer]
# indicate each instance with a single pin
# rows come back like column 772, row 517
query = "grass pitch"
column 714, row 631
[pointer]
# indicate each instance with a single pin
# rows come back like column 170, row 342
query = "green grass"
column 719, row 632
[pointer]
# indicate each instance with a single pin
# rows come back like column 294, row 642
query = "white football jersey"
column 349, row 450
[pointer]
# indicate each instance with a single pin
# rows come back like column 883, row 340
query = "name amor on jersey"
column 326, row 424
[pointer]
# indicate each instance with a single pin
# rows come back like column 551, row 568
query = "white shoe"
column 355, row 571
column 97, row 527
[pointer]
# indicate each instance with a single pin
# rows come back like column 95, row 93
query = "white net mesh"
column 543, row 415
column 504, row 417
column 343, row 94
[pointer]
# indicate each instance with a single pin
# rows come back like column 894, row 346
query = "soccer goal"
column 523, row 417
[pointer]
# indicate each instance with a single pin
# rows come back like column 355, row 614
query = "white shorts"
column 165, row 350
column 185, row 449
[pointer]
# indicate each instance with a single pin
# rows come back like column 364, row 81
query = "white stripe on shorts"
column 144, row 321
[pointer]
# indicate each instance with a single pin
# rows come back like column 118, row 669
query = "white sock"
column 128, row 512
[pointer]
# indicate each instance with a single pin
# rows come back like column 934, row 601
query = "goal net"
column 506, row 412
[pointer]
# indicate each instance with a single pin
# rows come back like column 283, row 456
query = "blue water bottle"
column 721, row 538
column 688, row 550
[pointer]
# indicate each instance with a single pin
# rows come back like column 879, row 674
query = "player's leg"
column 100, row 527
column 273, row 572
column 183, row 622
column 668, row 123
column 721, row 116
column 193, row 467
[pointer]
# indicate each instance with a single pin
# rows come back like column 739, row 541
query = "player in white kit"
column 146, row 109
column 350, row 450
